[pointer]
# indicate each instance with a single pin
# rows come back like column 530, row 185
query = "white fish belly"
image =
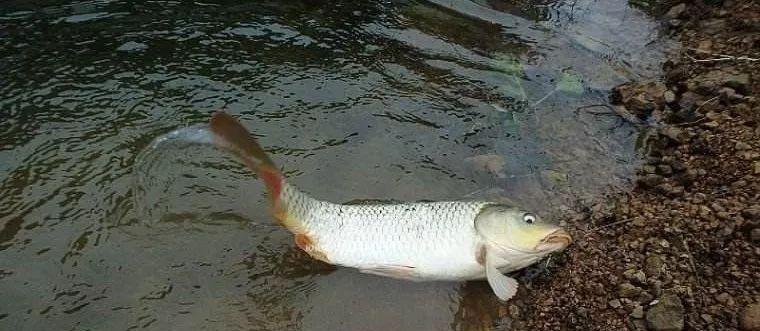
column 436, row 240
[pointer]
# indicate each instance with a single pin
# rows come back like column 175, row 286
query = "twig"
column 693, row 267
column 608, row 225
column 700, row 120
column 722, row 57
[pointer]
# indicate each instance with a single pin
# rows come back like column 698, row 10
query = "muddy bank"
column 682, row 250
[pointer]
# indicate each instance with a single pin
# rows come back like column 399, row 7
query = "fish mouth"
column 556, row 240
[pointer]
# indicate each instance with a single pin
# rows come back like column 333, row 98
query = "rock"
column 615, row 303
column 650, row 180
column 636, row 276
column 713, row 26
column 725, row 298
column 709, row 82
column 666, row 315
column 491, row 163
column 638, row 312
column 132, row 46
column 669, row 96
column 664, row 169
column 728, row 95
column 676, row 11
column 628, row 290
column 675, row 133
column 750, row 318
column 754, row 235
column 752, row 213
column 653, row 265
column 742, row 146
column 756, row 167
column 640, row 99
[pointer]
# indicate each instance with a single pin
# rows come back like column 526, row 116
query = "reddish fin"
column 229, row 134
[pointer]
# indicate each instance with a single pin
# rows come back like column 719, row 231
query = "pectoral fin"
column 390, row 270
column 503, row 286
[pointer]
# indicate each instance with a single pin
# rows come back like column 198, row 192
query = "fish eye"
column 529, row 218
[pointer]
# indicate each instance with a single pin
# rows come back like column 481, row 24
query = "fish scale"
column 436, row 239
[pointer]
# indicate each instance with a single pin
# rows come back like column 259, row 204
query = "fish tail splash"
column 232, row 136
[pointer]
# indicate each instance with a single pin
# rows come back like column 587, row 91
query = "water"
column 380, row 100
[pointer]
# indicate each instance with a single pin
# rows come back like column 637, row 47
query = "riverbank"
column 682, row 250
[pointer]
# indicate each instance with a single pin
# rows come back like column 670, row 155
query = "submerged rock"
column 676, row 11
column 132, row 46
column 666, row 314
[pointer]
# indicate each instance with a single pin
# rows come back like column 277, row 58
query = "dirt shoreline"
column 681, row 251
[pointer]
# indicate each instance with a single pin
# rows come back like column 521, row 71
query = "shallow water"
column 382, row 100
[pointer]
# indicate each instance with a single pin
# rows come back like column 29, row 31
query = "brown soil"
column 682, row 250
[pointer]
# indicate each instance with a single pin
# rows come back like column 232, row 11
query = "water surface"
column 403, row 100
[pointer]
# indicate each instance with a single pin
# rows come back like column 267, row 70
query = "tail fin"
column 229, row 134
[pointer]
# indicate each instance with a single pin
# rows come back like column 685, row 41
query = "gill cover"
column 510, row 228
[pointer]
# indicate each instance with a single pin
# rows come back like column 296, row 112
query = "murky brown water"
column 387, row 100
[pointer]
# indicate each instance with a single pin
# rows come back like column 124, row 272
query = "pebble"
column 669, row 96
column 132, row 46
column 664, row 170
column 650, row 180
column 653, row 266
column 725, row 298
column 666, row 315
column 740, row 145
column 615, row 303
column 635, row 275
column 750, row 318
column 638, row 312
column 754, row 235
column 628, row 290
column 674, row 133
column 676, row 11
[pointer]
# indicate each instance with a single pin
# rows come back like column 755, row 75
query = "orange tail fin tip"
column 233, row 136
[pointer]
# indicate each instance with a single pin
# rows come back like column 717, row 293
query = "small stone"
column 711, row 125
column 650, row 180
column 752, row 213
column 750, row 318
column 741, row 146
column 664, row 170
column 676, row 11
column 653, row 265
column 635, row 275
column 669, row 96
column 725, row 298
column 738, row 82
column 615, row 303
column 638, row 312
column 754, row 235
column 707, row 318
column 666, row 315
column 674, row 133
column 628, row 290
column 132, row 46
column 756, row 166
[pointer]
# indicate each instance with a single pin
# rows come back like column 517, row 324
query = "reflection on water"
column 402, row 100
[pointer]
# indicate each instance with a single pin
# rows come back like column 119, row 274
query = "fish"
column 418, row 241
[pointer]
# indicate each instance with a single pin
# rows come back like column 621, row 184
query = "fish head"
column 514, row 229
